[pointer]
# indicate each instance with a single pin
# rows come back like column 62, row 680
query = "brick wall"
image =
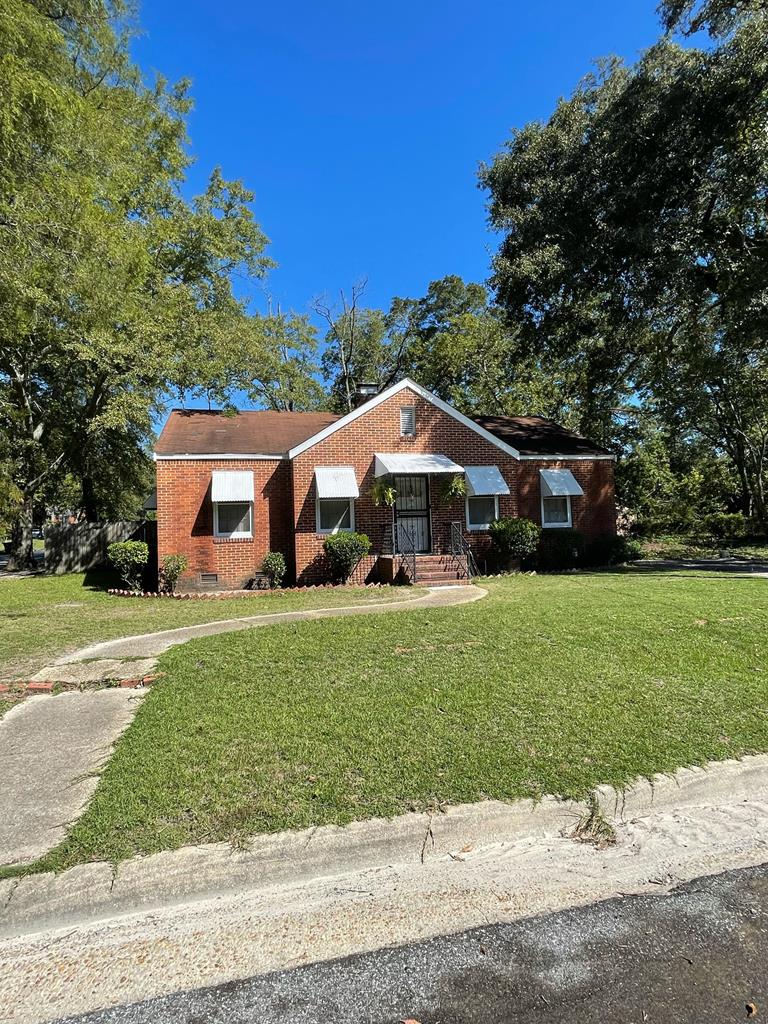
column 593, row 513
column 379, row 430
column 284, row 495
column 185, row 518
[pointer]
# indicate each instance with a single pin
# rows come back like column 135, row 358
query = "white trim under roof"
column 559, row 483
column 567, row 458
column 228, row 485
column 336, row 482
column 482, row 481
column 213, row 456
column 406, row 382
column 416, row 464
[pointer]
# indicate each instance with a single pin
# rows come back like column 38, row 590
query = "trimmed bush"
column 343, row 551
column 170, row 571
column 726, row 525
column 560, row 549
column 611, row 549
column 274, row 568
column 129, row 558
column 515, row 538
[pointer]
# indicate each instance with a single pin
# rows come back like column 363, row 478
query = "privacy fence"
column 77, row 547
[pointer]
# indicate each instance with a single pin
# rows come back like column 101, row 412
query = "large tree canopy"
column 114, row 290
column 635, row 231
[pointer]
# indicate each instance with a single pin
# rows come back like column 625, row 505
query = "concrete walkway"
column 52, row 747
column 94, row 937
column 50, row 751
column 150, row 645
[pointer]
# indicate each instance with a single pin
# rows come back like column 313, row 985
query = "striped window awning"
column 485, row 480
column 559, row 483
column 336, row 482
column 231, row 485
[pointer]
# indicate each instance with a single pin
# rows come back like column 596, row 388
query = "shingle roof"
column 535, row 435
column 200, row 432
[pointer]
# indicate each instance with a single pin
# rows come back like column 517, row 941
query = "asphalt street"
column 697, row 953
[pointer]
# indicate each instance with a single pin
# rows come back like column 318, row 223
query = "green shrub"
column 726, row 525
column 129, row 558
column 515, row 538
column 454, row 487
column 171, row 570
column 611, row 549
column 274, row 568
column 560, row 549
column 343, row 551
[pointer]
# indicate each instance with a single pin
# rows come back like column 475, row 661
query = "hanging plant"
column 454, row 487
column 383, row 493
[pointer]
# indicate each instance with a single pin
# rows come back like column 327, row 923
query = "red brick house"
column 231, row 487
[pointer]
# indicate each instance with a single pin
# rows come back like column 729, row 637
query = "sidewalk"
column 93, row 937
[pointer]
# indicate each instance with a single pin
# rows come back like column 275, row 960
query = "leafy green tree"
column 111, row 284
column 635, row 248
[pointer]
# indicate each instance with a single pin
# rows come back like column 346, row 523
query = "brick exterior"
column 284, row 504
column 185, row 519
column 379, row 431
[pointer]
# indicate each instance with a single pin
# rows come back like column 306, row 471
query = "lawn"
column 42, row 616
column 552, row 684
column 676, row 546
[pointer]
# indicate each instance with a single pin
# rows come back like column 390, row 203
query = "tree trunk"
column 22, row 547
column 90, row 506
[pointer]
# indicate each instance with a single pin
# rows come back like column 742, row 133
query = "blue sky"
column 360, row 127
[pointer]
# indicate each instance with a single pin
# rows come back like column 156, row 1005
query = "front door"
column 412, row 514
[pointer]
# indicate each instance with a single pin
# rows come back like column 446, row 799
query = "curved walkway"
column 52, row 748
column 149, row 645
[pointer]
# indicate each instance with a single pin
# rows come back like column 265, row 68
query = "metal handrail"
column 459, row 546
column 408, row 556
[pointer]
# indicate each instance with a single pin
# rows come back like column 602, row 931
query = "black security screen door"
column 412, row 514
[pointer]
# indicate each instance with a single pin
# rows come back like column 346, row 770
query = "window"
column 556, row 511
column 408, row 420
column 481, row 511
column 335, row 515
column 232, row 519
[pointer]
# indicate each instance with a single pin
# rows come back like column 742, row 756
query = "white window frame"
column 240, row 534
column 336, row 529
column 480, row 526
column 412, row 410
column 557, row 526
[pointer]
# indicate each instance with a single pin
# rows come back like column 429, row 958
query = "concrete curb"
column 92, row 892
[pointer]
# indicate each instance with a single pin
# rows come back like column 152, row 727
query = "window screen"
column 481, row 510
column 234, row 518
column 334, row 514
column 556, row 511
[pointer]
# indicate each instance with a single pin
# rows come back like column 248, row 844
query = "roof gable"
column 405, row 384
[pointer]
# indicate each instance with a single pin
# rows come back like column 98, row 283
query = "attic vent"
column 209, row 577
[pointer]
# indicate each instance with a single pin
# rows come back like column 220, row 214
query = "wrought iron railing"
column 406, row 548
column 460, row 549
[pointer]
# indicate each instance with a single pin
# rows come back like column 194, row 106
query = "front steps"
column 440, row 570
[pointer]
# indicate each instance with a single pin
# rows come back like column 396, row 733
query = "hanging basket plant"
column 454, row 487
column 383, row 493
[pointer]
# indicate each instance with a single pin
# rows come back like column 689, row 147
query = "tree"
column 634, row 221
column 111, row 284
column 351, row 337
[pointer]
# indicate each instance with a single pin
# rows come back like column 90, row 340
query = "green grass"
column 42, row 616
column 552, row 684
column 675, row 546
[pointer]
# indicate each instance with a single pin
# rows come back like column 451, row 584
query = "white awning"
column 414, row 464
column 336, row 482
column 557, row 483
column 485, row 480
column 229, row 485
